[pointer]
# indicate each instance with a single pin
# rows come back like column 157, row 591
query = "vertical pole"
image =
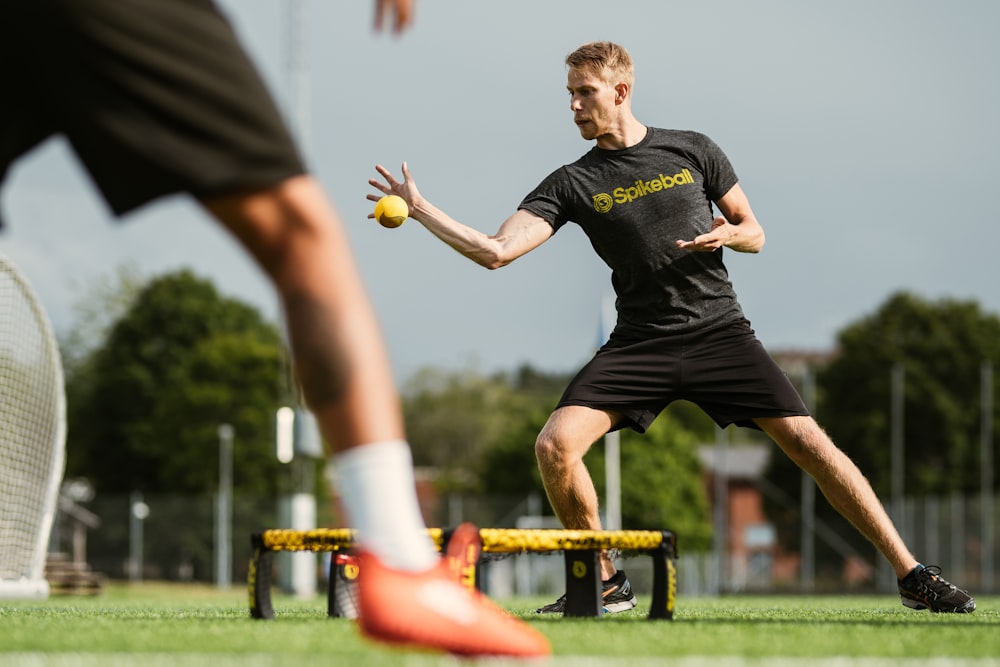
column 224, row 510
column 957, row 537
column 886, row 579
column 986, row 474
column 613, row 477
column 137, row 513
column 897, row 448
column 720, row 512
column 456, row 509
column 612, row 441
column 304, row 563
column 298, row 66
column 808, row 573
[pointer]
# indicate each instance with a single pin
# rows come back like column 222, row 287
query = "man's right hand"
column 402, row 11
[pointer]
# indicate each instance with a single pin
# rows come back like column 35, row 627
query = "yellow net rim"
column 495, row 540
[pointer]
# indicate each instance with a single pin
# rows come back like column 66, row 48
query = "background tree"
column 100, row 302
column 457, row 420
column 146, row 406
column 451, row 419
column 509, row 466
column 941, row 346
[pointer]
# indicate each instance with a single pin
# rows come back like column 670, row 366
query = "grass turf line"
column 175, row 624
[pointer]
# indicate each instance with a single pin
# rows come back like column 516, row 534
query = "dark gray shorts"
column 155, row 96
column 725, row 371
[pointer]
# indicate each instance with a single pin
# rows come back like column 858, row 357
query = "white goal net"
column 32, row 436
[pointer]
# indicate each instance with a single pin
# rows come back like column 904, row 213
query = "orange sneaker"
column 433, row 610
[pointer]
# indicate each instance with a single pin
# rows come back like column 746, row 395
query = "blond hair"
column 608, row 60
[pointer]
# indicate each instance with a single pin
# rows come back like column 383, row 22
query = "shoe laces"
column 928, row 579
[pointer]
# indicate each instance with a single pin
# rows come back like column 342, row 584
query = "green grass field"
column 162, row 624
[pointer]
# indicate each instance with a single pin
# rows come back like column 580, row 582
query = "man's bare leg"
column 340, row 360
column 297, row 238
column 843, row 484
column 564, row 440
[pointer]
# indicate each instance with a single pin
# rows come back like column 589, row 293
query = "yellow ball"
column 391, row 211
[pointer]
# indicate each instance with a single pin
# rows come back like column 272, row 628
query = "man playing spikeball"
column 644, row 196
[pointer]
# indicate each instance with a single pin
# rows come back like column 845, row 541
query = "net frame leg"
column 664, row 578
column 343, row 578
column 24, row 589
column 583, row 583
column 259, row 579
column 331, row 587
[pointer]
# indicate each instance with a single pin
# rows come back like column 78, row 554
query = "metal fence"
column 174, row 538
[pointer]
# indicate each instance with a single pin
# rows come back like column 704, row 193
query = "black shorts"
column 725, row 371
column 155, row 96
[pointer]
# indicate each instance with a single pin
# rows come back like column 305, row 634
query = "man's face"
column 592, row 101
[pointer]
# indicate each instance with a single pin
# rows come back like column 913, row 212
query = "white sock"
column 379, row 494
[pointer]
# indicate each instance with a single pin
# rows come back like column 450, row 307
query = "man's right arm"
column 519, row 234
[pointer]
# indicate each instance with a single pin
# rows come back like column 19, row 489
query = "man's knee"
column 548, row 451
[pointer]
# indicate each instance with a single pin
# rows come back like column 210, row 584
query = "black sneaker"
column 616, row 593
column 924, row 588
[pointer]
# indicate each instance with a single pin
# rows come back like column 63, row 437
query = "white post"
column 304, row 563
column 298, row 443
column 224, row 510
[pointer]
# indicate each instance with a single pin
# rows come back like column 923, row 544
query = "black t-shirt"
column 633, row 204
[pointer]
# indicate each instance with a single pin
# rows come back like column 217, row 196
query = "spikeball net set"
column 581, row 548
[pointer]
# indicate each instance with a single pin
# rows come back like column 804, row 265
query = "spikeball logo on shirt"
column 603, row 201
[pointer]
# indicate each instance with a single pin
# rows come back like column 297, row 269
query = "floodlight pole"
column 986, row 474
column 897, row 443
column 299, row 69
column 808, row 571
column 897, row 383
column 612, row 440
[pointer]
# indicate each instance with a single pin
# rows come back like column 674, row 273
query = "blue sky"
column 864, row 132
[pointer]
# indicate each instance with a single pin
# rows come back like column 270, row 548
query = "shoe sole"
column 623, row 605
column 546, row 610
column 917, row 605
column 613, row 608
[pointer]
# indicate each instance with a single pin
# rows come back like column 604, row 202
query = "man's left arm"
column 737, row 228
